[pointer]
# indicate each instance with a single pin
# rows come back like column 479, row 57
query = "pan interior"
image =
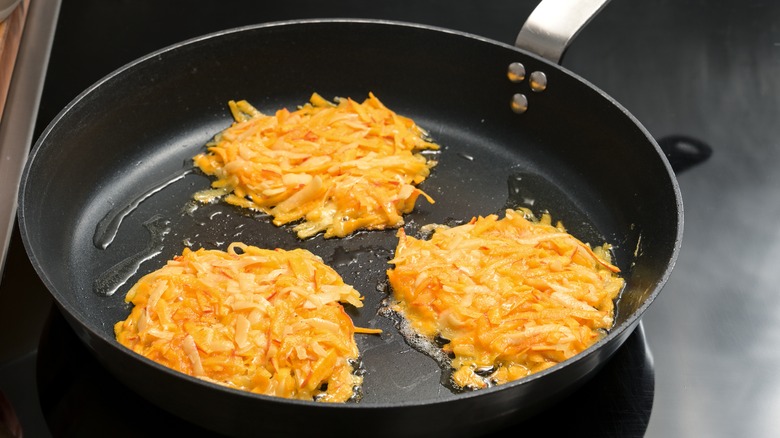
column 123, row 150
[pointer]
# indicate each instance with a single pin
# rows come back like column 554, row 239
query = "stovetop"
column 703, row 362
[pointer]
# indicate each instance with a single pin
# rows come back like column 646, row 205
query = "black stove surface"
column 704, row 360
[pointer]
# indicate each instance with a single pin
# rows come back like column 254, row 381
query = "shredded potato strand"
column 265, row 321
column 512, row 296
column 336, row 168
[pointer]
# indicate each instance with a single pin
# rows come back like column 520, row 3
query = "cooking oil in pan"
column 360, row 258
column 429, row 347
column 107, row 283
column 432, row 348
column 539, row 195
column 519, row 193
column 108, row 227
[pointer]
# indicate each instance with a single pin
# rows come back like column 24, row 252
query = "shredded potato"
column 335, row 168
column 265, row 321
column 512, row 296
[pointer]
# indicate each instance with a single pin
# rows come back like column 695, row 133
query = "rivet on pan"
column 538, row 81
column 519, row 103
column 516, row 72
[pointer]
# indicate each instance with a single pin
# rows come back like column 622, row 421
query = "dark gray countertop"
column 709, row 71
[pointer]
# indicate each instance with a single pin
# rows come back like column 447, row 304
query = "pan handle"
column 552, row 26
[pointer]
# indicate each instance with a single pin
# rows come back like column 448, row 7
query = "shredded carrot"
column 367, row 331
column 333, row 167
column 512, row 296
column 265, row 321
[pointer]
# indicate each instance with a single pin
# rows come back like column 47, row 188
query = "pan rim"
column 628, row 325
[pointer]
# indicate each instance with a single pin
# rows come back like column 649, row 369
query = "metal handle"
column 553, row 25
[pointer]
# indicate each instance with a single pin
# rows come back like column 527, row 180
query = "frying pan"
column 106, row 198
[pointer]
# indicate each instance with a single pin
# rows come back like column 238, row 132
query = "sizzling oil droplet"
column 107, row 228
column 190, row 208
column 356, row 258
column 519, row 193
column 111, row 280
column 341, row 257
